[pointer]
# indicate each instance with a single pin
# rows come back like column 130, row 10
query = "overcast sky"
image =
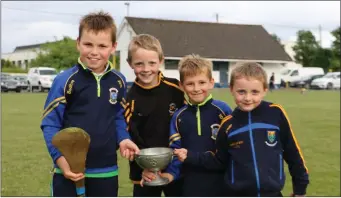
column 33, row 22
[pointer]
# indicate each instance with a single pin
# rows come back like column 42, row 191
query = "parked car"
column 22, row 81
column 8, row 83
column 289, row 75
column 329, row 81
column 41, row 78
column 305, row 81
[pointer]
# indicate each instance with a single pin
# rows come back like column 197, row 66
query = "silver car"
column 9, row 83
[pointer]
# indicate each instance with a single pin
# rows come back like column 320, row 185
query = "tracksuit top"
column 251, row 147
column 195, row 128
column 148, row 114
column 80, row 98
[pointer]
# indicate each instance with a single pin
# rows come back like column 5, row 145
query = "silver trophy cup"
column 155, row 159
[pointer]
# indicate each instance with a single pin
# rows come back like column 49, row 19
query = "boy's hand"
column 147, row 176
column 181, row 154
column 65, row 167
column 128, row 149
column 168, row 176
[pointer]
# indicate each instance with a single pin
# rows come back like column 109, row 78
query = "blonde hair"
column 249, row 70
column 98, row 21
column 193, row 64
column 147, row 42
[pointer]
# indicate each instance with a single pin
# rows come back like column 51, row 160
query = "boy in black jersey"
column 151, row 102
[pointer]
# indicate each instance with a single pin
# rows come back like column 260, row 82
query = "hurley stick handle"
column 80, row 188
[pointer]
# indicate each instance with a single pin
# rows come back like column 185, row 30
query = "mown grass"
column 25, row 163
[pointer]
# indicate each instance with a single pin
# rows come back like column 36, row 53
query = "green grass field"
column 25, row 163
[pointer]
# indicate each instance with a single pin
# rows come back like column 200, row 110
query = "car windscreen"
column 47, row 72
column 329, row 76
column 21, row 78
column 285, row 72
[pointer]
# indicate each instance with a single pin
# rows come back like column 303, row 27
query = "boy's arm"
column 174, row 143
column 132, row 122
column 121, row 125
column 127, row 147
column 52, row 120
column 293, row 156
column 210, row 160
column 223, row 106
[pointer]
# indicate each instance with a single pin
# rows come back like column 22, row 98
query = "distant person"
column 89, row 96
column 272, row 82
column 253, row 143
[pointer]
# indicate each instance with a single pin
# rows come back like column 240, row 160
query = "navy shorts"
column 94, row 187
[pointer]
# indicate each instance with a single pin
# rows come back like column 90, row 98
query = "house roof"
column 211, row 40
column 23, row 47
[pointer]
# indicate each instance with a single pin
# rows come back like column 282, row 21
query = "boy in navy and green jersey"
column 253, row 142
column 88, row 96
column 195, row 127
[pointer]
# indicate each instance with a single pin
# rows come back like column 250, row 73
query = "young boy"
column 253, row 142
column 195, row 127
column 151, row 102
column 88, row 96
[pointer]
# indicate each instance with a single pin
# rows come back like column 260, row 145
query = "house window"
column 171, row 64
column 26, row 63
column 19, row 63
column 294, row 73
column 215, row 67
column 13, row 62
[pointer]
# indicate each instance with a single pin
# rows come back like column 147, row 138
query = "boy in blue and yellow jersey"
column 253, row 142
column 195, row 127
column 151, row 102
column 88, row 96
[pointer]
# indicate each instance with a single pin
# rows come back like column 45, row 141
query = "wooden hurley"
column 74, row 143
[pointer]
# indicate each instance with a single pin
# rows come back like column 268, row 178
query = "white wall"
column 171, row 73
column 125, row 34
column 288, row 45
column 268, row 67
column 21, row 55
column 273, row 68
column 216, row 76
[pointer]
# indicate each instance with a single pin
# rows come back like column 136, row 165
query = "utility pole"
column 320, row 35
column 217, row 17
column 127, row 4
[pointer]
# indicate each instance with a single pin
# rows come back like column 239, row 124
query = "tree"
column 6, row 63
column 322, row 58
column 276, row 38
column 336, row 42
column 306, row 48
column 335, row 49
column 59, row 54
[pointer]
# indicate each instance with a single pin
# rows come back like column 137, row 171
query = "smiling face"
column 248, row 93
column 95, row 49
column 146, row 65
column 197, row 87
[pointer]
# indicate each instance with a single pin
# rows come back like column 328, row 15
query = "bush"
column 14, row 70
